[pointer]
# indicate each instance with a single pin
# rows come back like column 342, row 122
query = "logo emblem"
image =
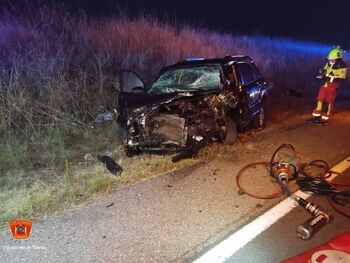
column 20, row 229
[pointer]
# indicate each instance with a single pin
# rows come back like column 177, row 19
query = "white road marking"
column 239, row 239
column 339, row 168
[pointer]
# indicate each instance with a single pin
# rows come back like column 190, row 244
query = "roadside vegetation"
column 59, row 71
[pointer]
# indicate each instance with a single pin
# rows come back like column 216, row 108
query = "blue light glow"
column 194, row 59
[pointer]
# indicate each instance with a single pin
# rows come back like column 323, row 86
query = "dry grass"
column 30, row 195
column 34, row 195
column 61, row 69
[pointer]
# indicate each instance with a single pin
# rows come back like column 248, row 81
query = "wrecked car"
column 191, row 103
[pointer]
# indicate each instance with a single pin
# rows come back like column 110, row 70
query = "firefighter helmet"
column 335, row 53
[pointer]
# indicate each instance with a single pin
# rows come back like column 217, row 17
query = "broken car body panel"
column 190, row 101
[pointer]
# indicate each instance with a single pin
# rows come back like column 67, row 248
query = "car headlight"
column 143, row 120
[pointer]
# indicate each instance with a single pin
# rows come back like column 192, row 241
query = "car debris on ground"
column 110, row 164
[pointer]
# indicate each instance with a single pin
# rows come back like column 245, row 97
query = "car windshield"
column 193, row 78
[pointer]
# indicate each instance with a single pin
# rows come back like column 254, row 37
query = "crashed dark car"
column 191, row 103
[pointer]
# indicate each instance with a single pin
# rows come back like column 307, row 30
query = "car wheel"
column 231, row 132
column 259, row 119
column 131, row 151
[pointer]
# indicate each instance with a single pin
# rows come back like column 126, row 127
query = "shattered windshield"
column 193, row 78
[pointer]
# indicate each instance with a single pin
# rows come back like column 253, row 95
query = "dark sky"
column 315, row 20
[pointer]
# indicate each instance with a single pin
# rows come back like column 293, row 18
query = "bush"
column 59, row 68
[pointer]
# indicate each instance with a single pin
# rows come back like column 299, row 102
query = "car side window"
column 256, row 71
column 247, row 74
column 130, row 80
column 230, row 74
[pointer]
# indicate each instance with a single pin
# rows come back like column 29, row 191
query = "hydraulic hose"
column 292, row 169
column 239, row 185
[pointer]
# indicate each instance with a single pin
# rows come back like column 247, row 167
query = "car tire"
column 259, row 120
column 231, row 133
column 131, row 151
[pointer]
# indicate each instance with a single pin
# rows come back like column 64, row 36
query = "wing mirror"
column 138, row 91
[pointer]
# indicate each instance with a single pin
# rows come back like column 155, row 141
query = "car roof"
column 224, row 60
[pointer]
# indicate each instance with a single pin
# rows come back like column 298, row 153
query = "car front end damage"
column 175, row 125
column 190, row 104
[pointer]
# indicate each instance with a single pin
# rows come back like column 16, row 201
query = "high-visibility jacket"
column 335, row 72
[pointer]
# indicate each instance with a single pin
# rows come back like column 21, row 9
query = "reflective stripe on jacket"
column 335, row 72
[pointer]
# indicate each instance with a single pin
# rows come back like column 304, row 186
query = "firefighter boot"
column 313, row 120
column 321, row 122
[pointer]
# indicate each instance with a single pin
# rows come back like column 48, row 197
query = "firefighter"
column 333, row 74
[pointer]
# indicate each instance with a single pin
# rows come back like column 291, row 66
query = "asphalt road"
column 280, row 242
column 172, row 218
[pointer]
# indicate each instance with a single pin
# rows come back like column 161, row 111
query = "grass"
column 63, row 178
column 43, row 149
column 30, row 195
column 43, row 195
column 58, row 71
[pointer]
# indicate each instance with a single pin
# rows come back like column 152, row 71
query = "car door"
column 251, row 86
column 132, row 90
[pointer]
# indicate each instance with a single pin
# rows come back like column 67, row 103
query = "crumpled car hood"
column 150, row 103
column 150, row 100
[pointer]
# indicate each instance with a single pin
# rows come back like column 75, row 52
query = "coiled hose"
column 285, row 161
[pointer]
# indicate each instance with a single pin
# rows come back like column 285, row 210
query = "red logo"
column 20, row 229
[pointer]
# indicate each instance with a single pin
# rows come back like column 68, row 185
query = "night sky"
column 314, row 20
